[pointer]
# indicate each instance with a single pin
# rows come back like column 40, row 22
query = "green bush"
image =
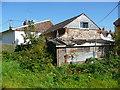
column 32, row 68
column 56, row 77
column 91, row 60
column 10, row 55
column 35, row 58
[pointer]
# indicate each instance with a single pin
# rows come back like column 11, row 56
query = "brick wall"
column 80, row 34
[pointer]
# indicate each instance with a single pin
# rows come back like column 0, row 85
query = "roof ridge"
column 69, row 19
column 34, row 24
column 63, row 23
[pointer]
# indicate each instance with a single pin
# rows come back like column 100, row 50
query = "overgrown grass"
column 14, row 76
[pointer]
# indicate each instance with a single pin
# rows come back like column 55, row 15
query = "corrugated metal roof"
column 79, row 41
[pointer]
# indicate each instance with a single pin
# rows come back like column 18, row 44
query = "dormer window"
column 83, row 24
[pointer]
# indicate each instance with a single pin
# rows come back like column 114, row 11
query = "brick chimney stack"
column 110, row 31
column 25, row 22
column 103, row 29
column 10, row 27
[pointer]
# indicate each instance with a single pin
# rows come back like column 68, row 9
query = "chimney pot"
column 10, row 27
column 25, row 22
column 110, row 31
column 103, row 29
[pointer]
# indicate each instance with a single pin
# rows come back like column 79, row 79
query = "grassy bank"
column 14, row 76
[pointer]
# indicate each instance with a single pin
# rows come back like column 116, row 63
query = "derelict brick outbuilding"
column 77, row 39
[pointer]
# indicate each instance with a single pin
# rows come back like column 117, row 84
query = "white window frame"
column 82, row 27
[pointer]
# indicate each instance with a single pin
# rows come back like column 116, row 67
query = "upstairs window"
column 84, row 24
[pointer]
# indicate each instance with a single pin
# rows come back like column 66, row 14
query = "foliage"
column 31, row 37
column 10, row 56
column 35, row 58
column 117, row 42
column 31, row 67
column 30, row 33
column 33, row 54
column 52, row 78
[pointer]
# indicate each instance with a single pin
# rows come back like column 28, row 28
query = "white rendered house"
column 15, row 35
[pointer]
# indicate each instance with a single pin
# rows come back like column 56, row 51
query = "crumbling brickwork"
column 80, row 34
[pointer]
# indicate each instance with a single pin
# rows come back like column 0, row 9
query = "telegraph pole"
column 94, row 52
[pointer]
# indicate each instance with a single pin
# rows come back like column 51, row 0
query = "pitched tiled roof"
column 39, row 26
column 64, row 23
column 61, row 25
column 105, row 33
column 117, row 22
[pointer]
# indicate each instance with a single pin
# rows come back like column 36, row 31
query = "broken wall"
column 80, row 34
column 79, row 54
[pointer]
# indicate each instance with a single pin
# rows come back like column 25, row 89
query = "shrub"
column 68, row 76
column 63, row 69
column 10, row 55
column 35, row 58
column 91, row 60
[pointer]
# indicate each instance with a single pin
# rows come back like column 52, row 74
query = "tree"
column 30, row 37
column 30, row 33
column 117, row 42
column 34, row 53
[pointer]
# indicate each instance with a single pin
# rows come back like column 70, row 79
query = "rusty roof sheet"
column 79, row 41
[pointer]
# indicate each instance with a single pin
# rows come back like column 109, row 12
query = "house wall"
column 18, row 37
column 14, row 37
column 108, row 37
column 82, row 18
column 80, row 34
column 55, row 34
column 79, row 54
column 60, row 52
column 8, row 37
column 51, row 35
